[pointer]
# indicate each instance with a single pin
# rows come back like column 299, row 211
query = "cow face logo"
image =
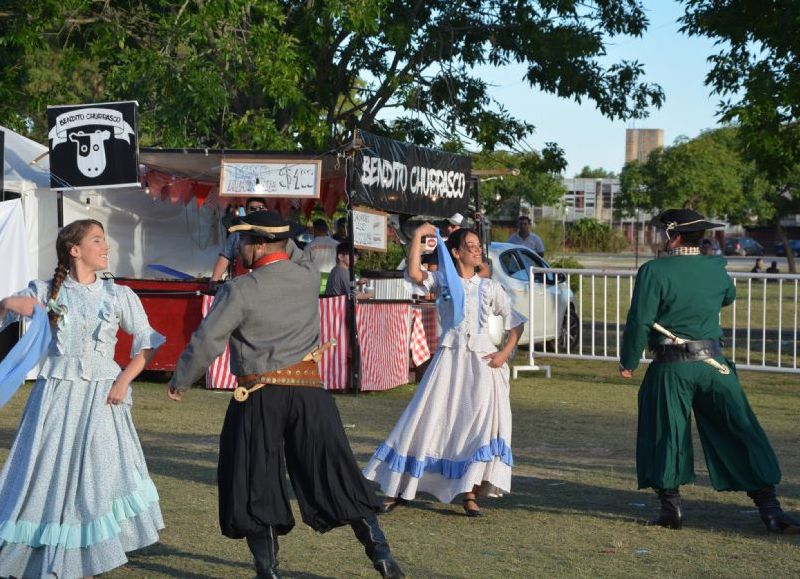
column 96, row 133
column 91, row 151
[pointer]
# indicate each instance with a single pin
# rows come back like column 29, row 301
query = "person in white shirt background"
column 453, row 223
column 524, row 236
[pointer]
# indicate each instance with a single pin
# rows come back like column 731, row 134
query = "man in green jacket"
column 683, row 294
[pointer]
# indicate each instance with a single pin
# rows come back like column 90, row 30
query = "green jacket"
column 683, row 293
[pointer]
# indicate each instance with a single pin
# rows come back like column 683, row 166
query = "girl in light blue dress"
column 75, row 493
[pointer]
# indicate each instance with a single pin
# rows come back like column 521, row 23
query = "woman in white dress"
column 75, row 493
column 455, row 435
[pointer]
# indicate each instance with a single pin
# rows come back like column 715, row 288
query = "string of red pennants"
column 166, row 187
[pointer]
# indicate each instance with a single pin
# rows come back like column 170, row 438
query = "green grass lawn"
column 573, row 510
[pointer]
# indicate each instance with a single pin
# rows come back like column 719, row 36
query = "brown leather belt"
column 303, row 373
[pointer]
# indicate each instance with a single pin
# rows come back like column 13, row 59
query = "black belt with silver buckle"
column 691, row 351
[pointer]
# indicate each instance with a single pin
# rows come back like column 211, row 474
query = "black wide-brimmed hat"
column 267, row 224
column 684, row 220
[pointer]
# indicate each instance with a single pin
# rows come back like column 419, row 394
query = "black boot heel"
column 265, row 554
column 773, row 516
column 671, row 514
column 369, row 534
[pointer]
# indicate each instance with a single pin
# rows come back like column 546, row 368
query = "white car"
column 555, row 315
column 510, row 267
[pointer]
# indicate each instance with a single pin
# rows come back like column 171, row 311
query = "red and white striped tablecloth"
column 383, row 332
column 218, row 375
column 384, row 336
column 333, row 325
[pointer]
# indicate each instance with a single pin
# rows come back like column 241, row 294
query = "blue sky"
column 671, row 59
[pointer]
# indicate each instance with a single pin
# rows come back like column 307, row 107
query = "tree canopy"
column 273, row 74
column 755, row 72
column 710, row 174
column 588, row 172
column 707, row 173
column 537, row 179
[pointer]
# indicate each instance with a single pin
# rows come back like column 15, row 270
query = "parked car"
column 793, row 243
column 742, row 246
column 710, row 246
column 510, row 267
column 555, row 315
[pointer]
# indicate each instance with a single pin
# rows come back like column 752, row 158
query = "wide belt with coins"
column 303, row 373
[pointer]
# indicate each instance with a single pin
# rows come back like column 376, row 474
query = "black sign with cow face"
column 93, row 146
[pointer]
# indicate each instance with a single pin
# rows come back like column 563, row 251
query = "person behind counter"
column 75, row 493
column 322, row 249
column 227, row 261
column 339, row 278
column 341, row 230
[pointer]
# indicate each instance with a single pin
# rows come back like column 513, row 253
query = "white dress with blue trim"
column 456, row 431
column 75, row 492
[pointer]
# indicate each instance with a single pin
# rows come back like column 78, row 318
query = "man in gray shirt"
column 524, row 236
column 270, row 317
column 339, row 278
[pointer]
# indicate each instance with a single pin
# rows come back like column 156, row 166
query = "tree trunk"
column 786, row 245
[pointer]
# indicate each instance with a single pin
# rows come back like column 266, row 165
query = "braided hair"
column 68, row 237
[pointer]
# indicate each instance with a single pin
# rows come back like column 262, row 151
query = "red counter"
column 173, row 308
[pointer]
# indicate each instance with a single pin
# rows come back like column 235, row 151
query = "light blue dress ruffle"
column 450, row 469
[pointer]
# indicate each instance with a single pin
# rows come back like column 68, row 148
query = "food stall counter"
column 174, row 309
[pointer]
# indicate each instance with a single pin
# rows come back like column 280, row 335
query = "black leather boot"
column 671, row 515
column 776, row 520
column 265, row 554
column 369, row 533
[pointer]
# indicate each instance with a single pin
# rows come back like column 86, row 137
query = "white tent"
column 12, row 247
column 140, row 231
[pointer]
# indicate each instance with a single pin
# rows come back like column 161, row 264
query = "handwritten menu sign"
column 369, row 229
column 271, row 178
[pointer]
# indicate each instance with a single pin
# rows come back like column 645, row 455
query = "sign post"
column 355, row 350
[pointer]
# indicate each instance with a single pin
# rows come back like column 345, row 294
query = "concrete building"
column 591, row 198
column 640, row 142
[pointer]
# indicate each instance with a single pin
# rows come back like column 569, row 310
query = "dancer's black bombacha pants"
column 295, row 429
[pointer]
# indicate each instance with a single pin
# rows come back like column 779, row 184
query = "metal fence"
column 759, row 328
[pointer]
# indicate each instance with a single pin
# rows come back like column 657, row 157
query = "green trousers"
column 738, row 455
